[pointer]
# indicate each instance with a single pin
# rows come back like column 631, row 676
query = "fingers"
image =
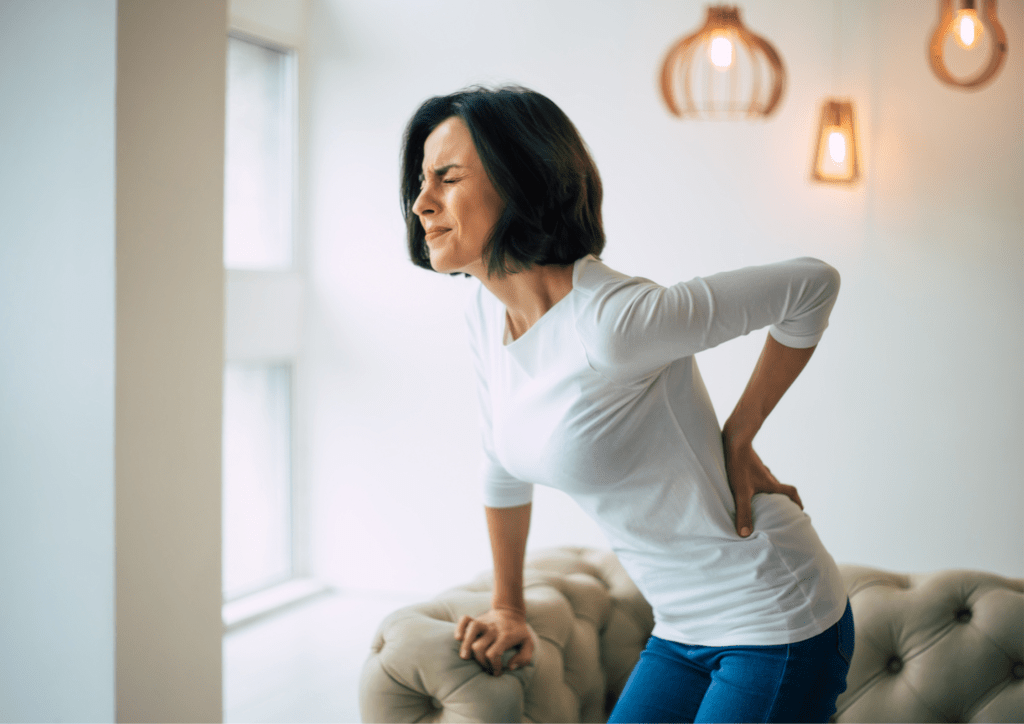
column 744, row 520
column 502, row 645
column 492, row 655
column 479, row 648
column 791, row 493
column 524, row 656
column 488, row 644
column 460, row 627
column 481, row 642
column 473, row 633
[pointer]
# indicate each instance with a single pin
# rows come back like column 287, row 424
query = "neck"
column 528, row 295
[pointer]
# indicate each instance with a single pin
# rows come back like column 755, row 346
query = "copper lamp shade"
column 722, row 71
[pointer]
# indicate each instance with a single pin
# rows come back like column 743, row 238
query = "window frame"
column 273, row 285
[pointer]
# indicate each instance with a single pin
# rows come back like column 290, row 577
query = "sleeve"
column 632, row 327
column 500, row 489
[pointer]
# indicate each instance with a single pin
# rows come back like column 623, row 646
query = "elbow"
column 834, row 280
column 827, row 274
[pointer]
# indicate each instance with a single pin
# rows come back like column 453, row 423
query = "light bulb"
column 720, row 52
column 967, row 28
column 837, row 146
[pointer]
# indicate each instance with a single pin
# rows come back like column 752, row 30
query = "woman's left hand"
column 747, row 477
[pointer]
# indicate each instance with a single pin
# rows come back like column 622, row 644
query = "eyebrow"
column 442, row 170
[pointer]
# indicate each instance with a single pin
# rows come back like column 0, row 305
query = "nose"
column 425, row 203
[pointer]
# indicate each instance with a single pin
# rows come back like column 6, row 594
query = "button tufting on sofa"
column 934, row 647
column 591, row 624
column 945, row 646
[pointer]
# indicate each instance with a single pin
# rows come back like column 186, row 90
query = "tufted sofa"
column 945, row 646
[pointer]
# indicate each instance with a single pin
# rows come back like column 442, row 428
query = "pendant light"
column 973, row 32
column 836, row 153
column 722, row 71
column 835, row 158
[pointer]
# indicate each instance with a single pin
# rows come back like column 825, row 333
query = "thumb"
column 744, row 521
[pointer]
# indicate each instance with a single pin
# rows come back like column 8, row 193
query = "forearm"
column 508, row 528
column 776, row 369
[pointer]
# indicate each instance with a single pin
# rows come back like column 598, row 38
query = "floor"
column 303, row 664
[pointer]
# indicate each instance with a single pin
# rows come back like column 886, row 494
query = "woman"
column 587, row 383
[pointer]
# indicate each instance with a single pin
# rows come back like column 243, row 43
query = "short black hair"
column 538, row 164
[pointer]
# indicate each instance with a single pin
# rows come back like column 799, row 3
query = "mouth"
column 433, row 234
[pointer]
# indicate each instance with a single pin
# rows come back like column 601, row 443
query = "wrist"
column 510, row 609
column 736, row 434
column 507, row 595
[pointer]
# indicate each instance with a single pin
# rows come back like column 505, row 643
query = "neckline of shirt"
column 507, row 340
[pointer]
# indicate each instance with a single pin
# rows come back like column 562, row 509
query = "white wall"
column 900, row 434
column 936, row 293
column 57, row 80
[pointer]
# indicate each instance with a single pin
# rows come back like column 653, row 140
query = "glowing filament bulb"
column 837, row 146
column 967, row 28
column 720, row 52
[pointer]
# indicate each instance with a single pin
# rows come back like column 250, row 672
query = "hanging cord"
column 837, row 10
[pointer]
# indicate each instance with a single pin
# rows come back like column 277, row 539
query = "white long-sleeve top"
column 601, row 398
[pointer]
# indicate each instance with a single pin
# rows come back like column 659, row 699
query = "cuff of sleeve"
column 797, row 341
column 508, row 496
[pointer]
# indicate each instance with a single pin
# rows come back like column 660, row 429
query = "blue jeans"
column 786, row 683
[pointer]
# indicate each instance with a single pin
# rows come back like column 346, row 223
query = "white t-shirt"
column 601, row 398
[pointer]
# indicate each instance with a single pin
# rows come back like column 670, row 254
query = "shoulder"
column 602, row 293
column 612, row 314
column 595, row 280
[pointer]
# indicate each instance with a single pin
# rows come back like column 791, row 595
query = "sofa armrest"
column 591, row 624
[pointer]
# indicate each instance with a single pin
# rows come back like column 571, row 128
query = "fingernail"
column 744, row 532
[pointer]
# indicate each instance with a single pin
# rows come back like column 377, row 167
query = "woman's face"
column 458, row 205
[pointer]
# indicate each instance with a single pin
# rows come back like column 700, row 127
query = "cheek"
column 497, row 207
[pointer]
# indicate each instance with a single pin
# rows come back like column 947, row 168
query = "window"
column 263, row 543
column 258, row 157
column 257, row 478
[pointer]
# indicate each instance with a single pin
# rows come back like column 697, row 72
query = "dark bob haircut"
column 539, row 166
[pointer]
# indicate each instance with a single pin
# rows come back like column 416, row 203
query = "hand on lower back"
column 747, row 477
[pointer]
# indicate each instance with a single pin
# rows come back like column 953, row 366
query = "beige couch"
column 935, row 647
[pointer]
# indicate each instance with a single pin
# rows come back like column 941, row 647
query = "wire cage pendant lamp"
column 973, row 32
column 722, row 71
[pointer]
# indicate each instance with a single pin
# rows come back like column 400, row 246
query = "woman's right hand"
column 491, row 634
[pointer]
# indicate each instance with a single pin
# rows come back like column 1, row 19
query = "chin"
column 445, row 260
column 442, row 264
column 438, row 265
